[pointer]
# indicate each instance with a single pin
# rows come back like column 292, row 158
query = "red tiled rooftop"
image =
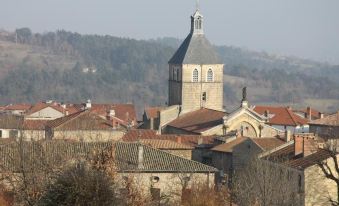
column 136, row 134
column 18, row 107
column 165, row 144
column 190, row 140
column 35, row 124
column 310, row 160
column 124, row 112
column 85, row 120
column 268, row 143
column 228, row 147
column 332, row 120
column 42, row 105
column 198, row 121
column 281, row 116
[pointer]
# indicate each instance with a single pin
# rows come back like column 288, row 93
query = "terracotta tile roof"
column 83, row 120
column 198, row 121
column 136, row 134
column 165, row 144
column 268, row 143
column 332, row 120
column 126, row 156
column 42, row 105
column 284, row 153
column 35, row 124
column 125, row 112
column 228, row 147
column 8, row 121
column 190, row 140
column 152, row 112
column 310, row 160
column 314, row 113
column 22, row 106
column 281, row 116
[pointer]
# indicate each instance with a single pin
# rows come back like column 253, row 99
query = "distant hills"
column 71, row 67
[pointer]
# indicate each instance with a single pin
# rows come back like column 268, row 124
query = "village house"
column 309, row 113
column 305, row 154
column 14, row 127
column 235, row 154
column 15, row 109
column 181, row 145
column 326, row 127
column 157, row 173
column 283, row 118
column 84, row 126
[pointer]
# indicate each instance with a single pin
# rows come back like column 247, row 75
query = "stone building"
column 196, row 72
column 83, row 126
column 160, row 175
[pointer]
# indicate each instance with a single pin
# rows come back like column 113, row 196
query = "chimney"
column 66, row 112
column 140, row 156
column 179, row 139
column 305, row 145
column 289, row 107
column 200, row 141
column 88, row 104
column 321, row 115
column 288, row 135
column 309, row 113
column 298, row 145
column 110, row 114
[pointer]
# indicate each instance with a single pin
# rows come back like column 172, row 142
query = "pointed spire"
column 197, row 5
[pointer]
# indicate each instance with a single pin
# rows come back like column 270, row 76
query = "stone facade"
column 85, row 135
column 195, row 95
column 170, row 185
column 318, row 188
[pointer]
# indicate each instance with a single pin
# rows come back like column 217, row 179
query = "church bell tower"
column 196, row 72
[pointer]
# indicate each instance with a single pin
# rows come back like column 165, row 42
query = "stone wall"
column 170, row 184
column 318, row 189
column 88, row 135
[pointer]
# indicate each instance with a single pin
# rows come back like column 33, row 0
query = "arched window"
column 195, row 75
column 210, row 75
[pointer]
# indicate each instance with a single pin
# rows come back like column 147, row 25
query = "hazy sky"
column 304, row 28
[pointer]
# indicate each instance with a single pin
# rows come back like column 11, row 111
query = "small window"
column 155, row 193
column 195, row 75
column 204, row 96
column 0, row 133
column 175, row 73
column 178, row 74
column 210, row 75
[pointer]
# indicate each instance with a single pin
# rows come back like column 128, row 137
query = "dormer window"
column 195, row 77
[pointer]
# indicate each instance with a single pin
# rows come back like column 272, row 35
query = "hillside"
column 71, row 67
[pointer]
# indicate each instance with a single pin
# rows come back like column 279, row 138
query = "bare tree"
column 265, row 183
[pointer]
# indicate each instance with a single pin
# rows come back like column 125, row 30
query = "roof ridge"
column 187, row 160
column 71, row 116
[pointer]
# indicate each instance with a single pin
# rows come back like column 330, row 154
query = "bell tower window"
column 178, row 75
column 195, row 75
column 175, row 74
column 210, row 75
